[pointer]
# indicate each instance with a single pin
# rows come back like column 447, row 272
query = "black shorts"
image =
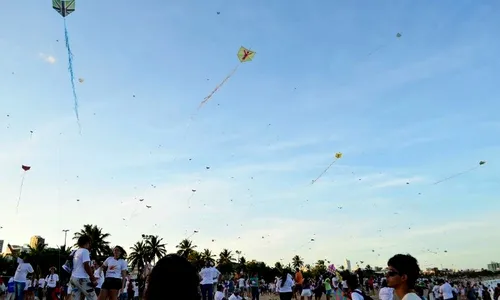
column 298, row 288
column 112, row 284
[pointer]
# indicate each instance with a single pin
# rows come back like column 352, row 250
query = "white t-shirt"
column 241, row 283
column 98, row 274
column 207, row 276
column 234, row 297
column 41, row 283
column 357, row 296
column 446, row 290
column 52, row 279
column 22, row 271
column 386, row 293
column 28, row 285
column 219, row 295
column 287, row 287
column 344, row 284
column 435, row 291
column 215, row 274
column 335, row 282
column 136, row 289
column 411, row 296
column 115, row 267
column 80, row 257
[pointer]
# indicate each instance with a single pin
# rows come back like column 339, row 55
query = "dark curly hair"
column 407, row 265
column 177, row 272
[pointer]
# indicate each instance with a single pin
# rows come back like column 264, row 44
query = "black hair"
column 284, row 277
column 352, row 282
column 175, row 271
column 123, row 253
column 407, row 265
column 83, row 240
column 220, row 288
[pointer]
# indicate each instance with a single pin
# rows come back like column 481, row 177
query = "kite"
column 398, row 36
column 189, row 199
column 338, row 156
column 244, row 55
column 482, row 162
column 81, row 80
column 25, row 169
column 64, row 8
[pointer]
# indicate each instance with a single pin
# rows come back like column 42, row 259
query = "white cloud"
column 48, row 58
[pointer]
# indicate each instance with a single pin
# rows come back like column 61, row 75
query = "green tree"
column 196, row 259
column 154, row 248
column 225, row 256
column 100, row 247
column 185, row 248
column 139, row 256
column 297, row 262
column 207, row 255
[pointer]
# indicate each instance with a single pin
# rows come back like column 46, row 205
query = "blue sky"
column 327, row 77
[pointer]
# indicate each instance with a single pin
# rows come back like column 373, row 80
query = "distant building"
column 347, row 265
column 16, row 249
column 1, row 246
column 35, row 240
column 494, row 266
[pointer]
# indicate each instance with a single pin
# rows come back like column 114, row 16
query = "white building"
column 347, row 265
column 494, row 266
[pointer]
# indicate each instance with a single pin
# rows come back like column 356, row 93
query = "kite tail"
column 218, row 86
column 20, row 193
column 72, row 75
column 323, row 173
column 456, row 175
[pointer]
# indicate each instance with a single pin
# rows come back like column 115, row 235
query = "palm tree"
column 155, row 249
column 297, row 262
column 196, row 259
column 225, row 257
column 207, row 255
column 278, row 265
column 36, row 254
column 185, row 247
column 100, row 247
column 139, row 256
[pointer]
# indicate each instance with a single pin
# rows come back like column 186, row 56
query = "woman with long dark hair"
column 284, row 286
column 115, row 268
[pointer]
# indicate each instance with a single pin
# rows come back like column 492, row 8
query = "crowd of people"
column 174, row 277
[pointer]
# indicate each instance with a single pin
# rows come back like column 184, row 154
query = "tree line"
column 150, row 248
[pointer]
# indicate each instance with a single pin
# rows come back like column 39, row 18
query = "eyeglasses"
column 391, row 273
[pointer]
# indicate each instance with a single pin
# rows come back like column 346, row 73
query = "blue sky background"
column 328, row 76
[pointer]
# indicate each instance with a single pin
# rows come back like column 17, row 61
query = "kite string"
column 456, row 175
column 323, row 173
column 218, row 86
column 20, row 192
column 71, row 73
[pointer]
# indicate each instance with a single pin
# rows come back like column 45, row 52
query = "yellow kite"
column 244, row 55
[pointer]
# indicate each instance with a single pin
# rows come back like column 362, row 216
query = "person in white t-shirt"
column 235, row 295
column 41, row 286
column 385, row 293
column 207, row 275
column 136, row 290
column 23, row 269
column 446, row 290
column 82, row 278
column 219, row 295
column 403, row 272
column 115, row 275
column 99, row 275
column 51, row 281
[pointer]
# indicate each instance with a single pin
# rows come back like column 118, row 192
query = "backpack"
column 365, row 296
column 68, row 265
